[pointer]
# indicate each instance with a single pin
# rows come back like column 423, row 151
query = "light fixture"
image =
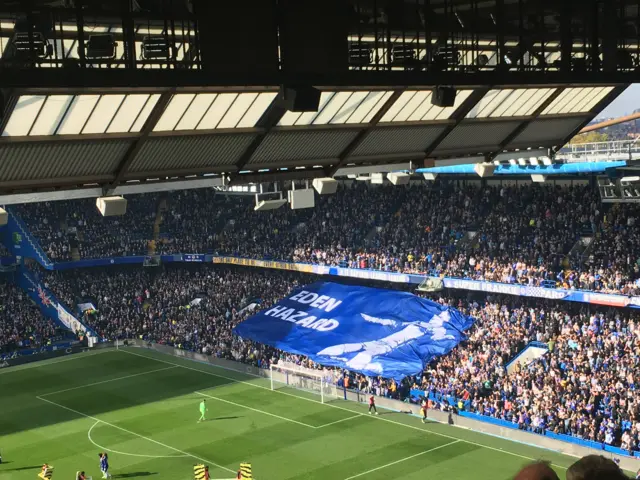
column 497, row 163
column 360, row 55
column 402, row 54
column 482, row 60
column 533, row 161
column 38, row 48
column 546, row 161
column 522, row 162
column 512, row 161
column 156, row 47
column 101, row 47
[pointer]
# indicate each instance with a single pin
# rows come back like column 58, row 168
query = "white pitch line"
column 136, row 434
column 44, row 363
column 256, row 410
column 108, row 381
column 402, row 460
column 377, row 417
column 341, row 420
column 111, row 450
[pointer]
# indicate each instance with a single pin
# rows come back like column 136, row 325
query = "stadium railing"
column 581, row 296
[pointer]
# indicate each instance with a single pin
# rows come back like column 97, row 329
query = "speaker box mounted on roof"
column 300, row 99
column 112, row 206
column 443, row 97
column 325, row 186
column 484, row 169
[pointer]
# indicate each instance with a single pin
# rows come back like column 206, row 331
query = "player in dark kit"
column 372, row 405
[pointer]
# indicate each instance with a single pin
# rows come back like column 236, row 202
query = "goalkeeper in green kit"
column 203, row 410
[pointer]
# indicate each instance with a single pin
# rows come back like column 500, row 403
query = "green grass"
column 142, row 407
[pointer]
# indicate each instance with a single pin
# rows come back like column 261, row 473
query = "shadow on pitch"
column 134, row 474
column 226, row 418
column 18, row 469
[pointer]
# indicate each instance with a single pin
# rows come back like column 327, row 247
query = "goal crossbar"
column 314, row 381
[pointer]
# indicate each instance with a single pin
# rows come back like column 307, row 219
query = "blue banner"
column 367, row 330
column 193, row 257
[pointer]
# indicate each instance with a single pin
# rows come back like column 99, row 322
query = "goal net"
column 318, row 382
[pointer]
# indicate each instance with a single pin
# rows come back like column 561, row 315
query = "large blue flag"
column 368, row 330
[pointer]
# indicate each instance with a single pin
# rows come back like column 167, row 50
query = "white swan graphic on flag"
column 367, row 351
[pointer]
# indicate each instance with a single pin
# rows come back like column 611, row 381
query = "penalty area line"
column 403, row 460
column 137, row 435
column 255, row 410
column 341, row 420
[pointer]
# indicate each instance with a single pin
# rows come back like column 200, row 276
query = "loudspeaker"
column 325, row 186
column 398, row 178
column 443, row 97
column 262, row 205
column 4, row 217
column 300, row 99
column 484, row 169
column 304, row 198
column 111, row 206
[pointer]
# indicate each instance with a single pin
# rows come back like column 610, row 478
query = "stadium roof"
column 61, row 137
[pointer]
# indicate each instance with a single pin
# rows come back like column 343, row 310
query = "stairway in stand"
column 163, row 204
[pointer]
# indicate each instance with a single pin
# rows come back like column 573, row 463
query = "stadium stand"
column 67, row 226
column 21, row 323
column 415, row 229
column 585, row 387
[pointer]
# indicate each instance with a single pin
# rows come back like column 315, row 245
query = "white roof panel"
column 127, row 113
column 104, row 112
column 78, row 114
column 205, row 111
column 257, row 109
column 24, row 115
column 145, row 112
column 306, row 118
column 503, row 103
column 237, row 110
column 217, row 111
column 577, row 100
column 173, row 113
column 51, row 114
column 340, row 108
column 196, row 111
column 415, row 105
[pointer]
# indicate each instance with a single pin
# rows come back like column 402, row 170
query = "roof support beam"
column 613, row 94
column 147, row 128
column 83, row 78
column 343, row 158
column 458, row 116
column 269, row 119
column 523, row 125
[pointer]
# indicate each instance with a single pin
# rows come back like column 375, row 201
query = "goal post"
column 318, row 382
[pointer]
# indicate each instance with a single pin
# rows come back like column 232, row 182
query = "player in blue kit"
column 104, row 465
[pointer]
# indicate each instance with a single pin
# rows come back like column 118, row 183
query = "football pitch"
column 142, row 407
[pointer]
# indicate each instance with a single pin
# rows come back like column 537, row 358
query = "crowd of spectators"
column 514, row 234
column 586, row 386
column 63, row 226
column 21, row 323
